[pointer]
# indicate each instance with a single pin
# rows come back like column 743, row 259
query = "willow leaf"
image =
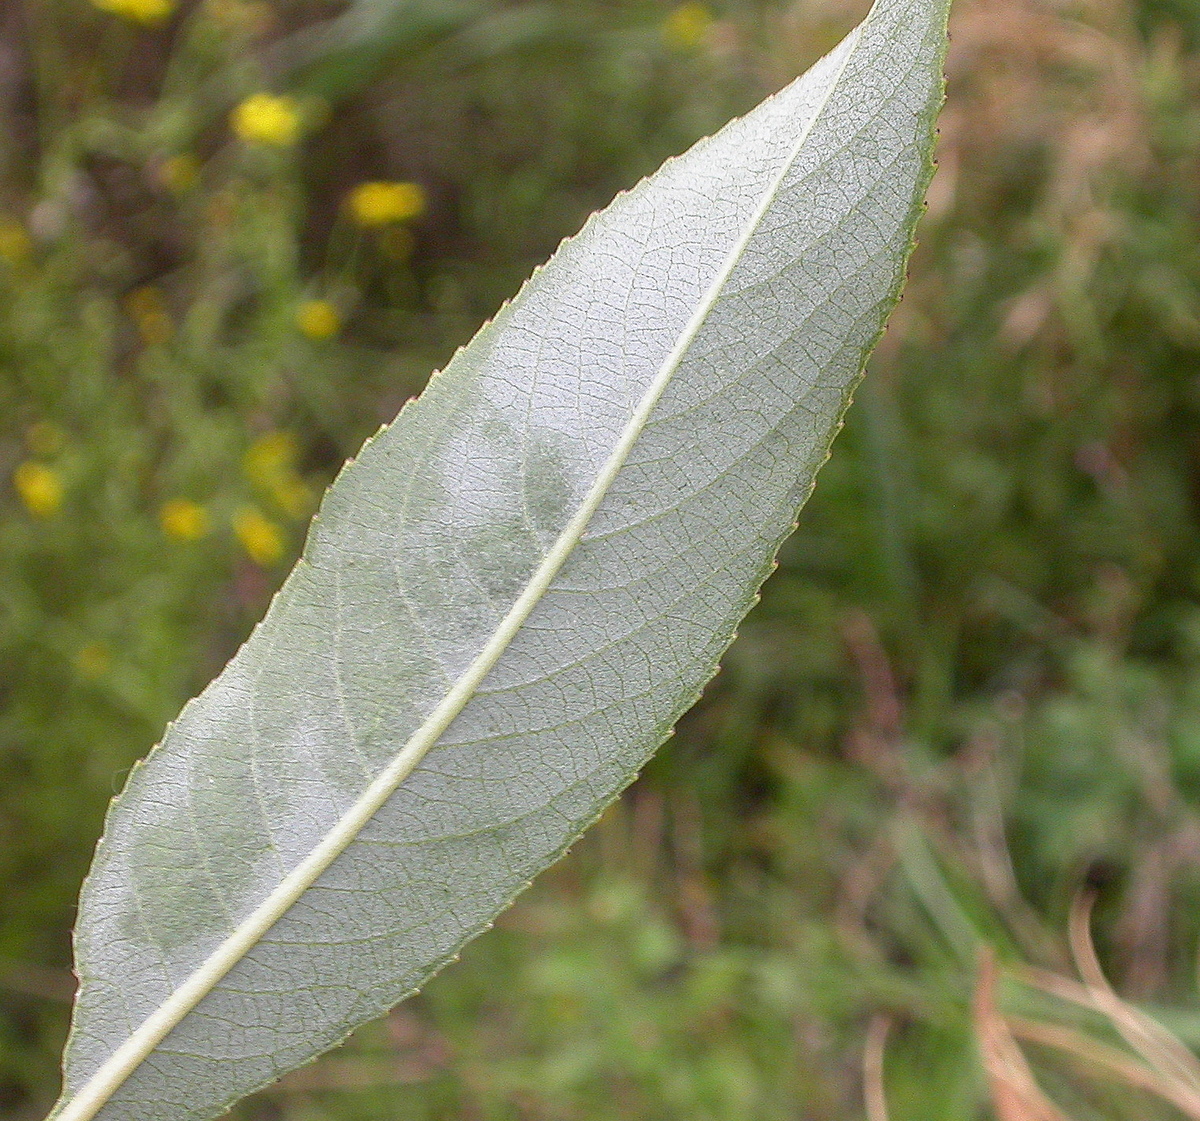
column 506, row 601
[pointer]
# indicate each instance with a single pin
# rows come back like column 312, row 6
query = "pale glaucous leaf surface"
column 650, row 411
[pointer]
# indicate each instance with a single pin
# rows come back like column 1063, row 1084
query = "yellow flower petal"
column 15, row 243
column 138, row 11
column 381, row 203
column 687, row 27
column 184, row 520
column 318, row 319
column 270, row 457
column 39, row 487
column 265, row 118
column 293, row 496
column 260, row 537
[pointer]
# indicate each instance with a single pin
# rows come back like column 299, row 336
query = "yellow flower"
column 293, row 496
column 138, row 11
column 380, row 203
column 148, row 309
column 15, row 243
column 265, row 118
column 39, row 487
column 260, row 537
column 270, row 457
column 179, row 173
column 318, row 319
column 183, row 519
column 92, row 660
column 687, row 27
column 269, row 463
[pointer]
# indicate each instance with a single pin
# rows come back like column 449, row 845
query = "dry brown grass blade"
column 1072, row 992
column 1162, row 1051
column 1016, row 1095
column 1100, row 1058
column 874, row 1094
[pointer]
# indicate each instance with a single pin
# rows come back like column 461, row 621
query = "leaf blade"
column 540, row 504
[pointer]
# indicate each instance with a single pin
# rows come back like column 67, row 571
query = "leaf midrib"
column 93, row 1095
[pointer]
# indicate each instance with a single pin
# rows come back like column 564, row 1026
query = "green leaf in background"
column 507, row 599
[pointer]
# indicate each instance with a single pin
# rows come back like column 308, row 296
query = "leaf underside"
column 506, row 601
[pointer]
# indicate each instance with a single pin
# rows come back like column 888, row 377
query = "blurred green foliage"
column 971, row 691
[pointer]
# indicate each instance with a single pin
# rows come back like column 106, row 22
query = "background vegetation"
column 236, row 234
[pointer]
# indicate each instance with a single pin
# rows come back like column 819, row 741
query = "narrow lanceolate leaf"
column 506, row 601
